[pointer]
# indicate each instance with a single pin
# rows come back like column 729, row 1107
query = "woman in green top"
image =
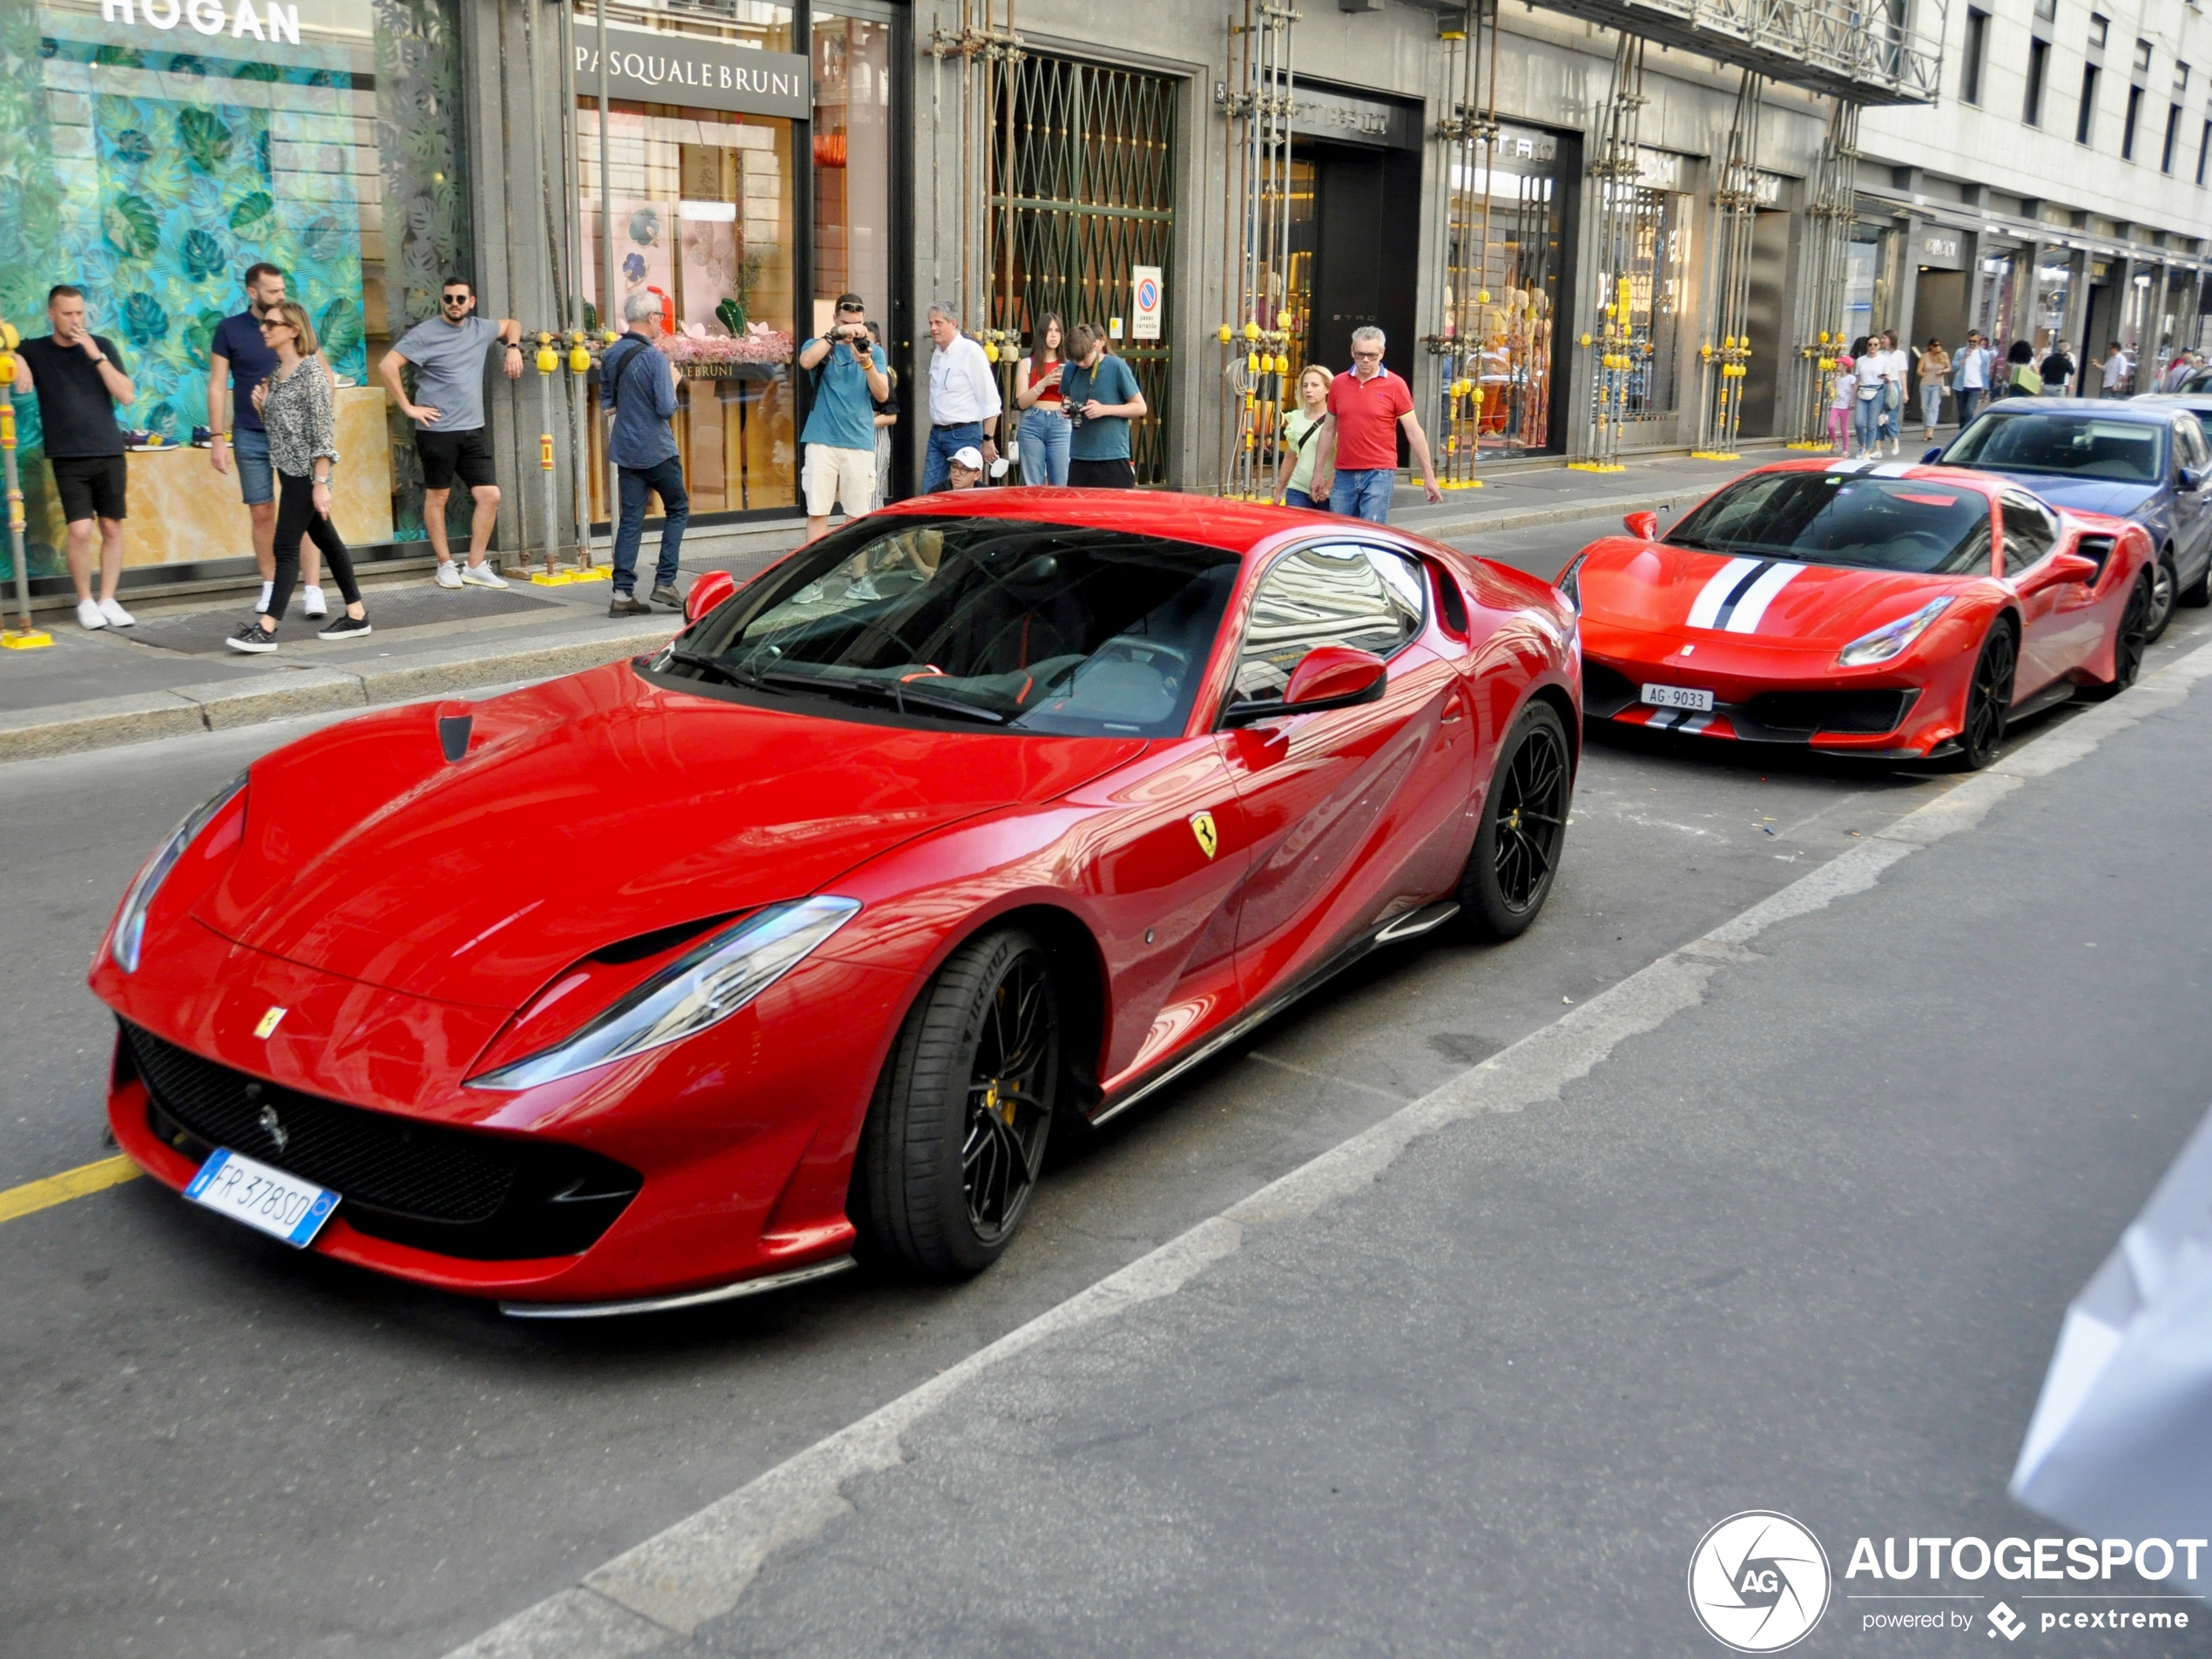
column 1294, row 477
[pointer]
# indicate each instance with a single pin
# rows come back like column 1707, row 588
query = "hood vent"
column 453, row 736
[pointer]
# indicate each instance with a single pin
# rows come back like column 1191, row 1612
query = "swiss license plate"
column 1679, row 697
column 245, row 1190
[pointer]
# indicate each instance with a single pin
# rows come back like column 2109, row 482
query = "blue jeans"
column 664, row 479
column 1887, row 419
column 1969, row 401
column 1044, row 437
column 937, row 459
column 1363, row 494
column 250, row 454
column 1866, row 421
column 1297, row 498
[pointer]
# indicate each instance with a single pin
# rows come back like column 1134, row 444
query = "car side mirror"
column 1930, row 457
column 1644, row 526
column 1328, row 676
column 2061, row 568
column 2191, row 478
column 707, row 592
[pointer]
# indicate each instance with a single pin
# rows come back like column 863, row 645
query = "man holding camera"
column 851, row 376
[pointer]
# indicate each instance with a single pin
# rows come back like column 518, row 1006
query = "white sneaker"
column 449, row 574
column 482, row 575
column 316, row 606
column 269, row 592
column 88, row 615
column 117, row 615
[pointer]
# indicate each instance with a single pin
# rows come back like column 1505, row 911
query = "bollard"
column 22, row 635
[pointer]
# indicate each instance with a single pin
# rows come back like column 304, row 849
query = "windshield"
column 995, row 622
column 2079, row 446
column 1836, row 518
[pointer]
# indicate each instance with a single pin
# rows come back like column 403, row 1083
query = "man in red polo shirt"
column 1357, row 467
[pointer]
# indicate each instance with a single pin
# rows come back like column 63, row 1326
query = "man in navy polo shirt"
column 1357, row 468
column 237, row 362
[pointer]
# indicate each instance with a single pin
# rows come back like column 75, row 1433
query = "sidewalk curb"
column 68, row 728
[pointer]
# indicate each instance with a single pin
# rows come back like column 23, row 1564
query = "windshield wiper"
column 899, row 696
column 721, row 669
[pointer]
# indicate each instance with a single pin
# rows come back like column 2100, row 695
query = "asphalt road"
column 1805, row 1245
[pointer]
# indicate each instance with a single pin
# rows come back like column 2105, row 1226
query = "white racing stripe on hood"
column 1715, row 592
column 1745, row 618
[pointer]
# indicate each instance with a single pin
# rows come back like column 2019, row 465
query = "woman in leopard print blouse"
column 295, row 407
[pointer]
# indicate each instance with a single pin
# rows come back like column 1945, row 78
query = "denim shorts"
column 250, row 454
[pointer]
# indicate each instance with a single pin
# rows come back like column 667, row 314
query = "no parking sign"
column 1144, row 289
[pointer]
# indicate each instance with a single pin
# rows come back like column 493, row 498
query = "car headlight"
column 130, row 934
column 704, row 985
column 1569, row 583
column 1891, row 639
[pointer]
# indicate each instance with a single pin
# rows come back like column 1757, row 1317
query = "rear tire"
column 1989, row 698
column 2162, row 585
column 2198, row 594
column 2129, row 644
column 1517, row 847
column 955, row 1137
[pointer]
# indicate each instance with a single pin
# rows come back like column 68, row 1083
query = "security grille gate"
column 1090, row 193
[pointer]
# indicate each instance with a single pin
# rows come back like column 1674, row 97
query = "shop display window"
column 150, row 153
column 1505, row 287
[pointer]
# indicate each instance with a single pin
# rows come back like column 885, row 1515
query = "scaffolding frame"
column 1257, row 99
column 1469, row 133
column 1609, row 340
column 988, row 48
column 1726, row 350
column 1826, row 276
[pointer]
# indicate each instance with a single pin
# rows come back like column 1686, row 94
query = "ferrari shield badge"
column 266, row 1028
column 1209, row 838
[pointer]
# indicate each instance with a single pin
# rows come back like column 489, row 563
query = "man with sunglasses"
column 447, row 352
column 239, row 361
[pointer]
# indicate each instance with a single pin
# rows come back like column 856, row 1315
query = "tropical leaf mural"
column 206, row 138
column 202, row 255
column 251, row 216
column 132, row 231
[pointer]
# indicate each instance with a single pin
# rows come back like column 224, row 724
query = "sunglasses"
column 268, row 323
column 454, row 300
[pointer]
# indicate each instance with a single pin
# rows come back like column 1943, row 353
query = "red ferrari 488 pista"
column 691, row 974
column 1901, row 611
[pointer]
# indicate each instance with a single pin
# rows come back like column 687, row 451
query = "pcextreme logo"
column 1758, row 1582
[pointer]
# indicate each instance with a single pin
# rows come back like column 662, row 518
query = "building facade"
column 1547, row 222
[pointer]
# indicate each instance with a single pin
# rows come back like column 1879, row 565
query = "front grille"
column 1865, row 712
column 446, row 1189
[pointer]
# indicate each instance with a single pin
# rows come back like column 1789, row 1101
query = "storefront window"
column 2053, row 283
column 851, row 139
column 703, row 213
column 149, row 154
column 1508, row 225
column 1862, row 280
column 1993, row 304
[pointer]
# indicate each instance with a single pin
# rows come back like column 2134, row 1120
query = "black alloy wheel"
column 2162, row 594
column 1989, row 698
column 1517, row 847
column 2130, row 643
column 955, row 1137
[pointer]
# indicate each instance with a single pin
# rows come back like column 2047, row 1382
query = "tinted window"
column 2030, row 533
column 2082, row 446
column 1841, row 518
column 2188, row 434
column 1340, row 594
column 1031, row 627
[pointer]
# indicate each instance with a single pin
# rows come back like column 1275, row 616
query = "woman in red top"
column 1044, row 431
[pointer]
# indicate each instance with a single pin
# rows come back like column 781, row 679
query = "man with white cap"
column 964, row 468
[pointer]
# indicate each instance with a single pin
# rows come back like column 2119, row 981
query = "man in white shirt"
column 2116, row 371
column 964, row 402
column 1970, row 376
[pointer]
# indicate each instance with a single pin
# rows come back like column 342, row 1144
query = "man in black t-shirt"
column 2057, row 370
column 78, row 378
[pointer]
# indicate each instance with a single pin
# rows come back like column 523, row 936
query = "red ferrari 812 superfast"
column 1901, row 611
column 698, row 973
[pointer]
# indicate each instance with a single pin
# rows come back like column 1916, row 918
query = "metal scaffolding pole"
column 1610, row 338
column 1463, row 278
column 1259, row 367
column 1825, row 271
column 1727, row 348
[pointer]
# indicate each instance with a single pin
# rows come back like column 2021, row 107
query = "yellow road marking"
column 70, row 1183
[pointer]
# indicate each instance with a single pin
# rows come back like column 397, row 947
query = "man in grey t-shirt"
column 447, row 353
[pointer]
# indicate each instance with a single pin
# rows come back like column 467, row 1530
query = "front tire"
column 1989, row 698
column 955, row 1137
column 2163, row 584
column 1517, row 847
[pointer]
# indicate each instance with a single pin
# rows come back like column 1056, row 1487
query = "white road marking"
column 699, row 1569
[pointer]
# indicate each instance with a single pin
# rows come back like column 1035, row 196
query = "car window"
column 1338, row 593
column 1027, row 626
column 1920, row 524
column 2189, row 436
column 2082, row 446
column 2030, row 532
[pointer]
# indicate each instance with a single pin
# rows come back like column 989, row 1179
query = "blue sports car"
column 2146, row 458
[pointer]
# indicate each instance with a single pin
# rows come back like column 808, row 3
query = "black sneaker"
column 629, row 604
column 345, row 627
column 251, row 637
column 667, row 596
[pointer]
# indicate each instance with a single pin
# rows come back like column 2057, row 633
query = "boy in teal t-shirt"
column 1099, row 392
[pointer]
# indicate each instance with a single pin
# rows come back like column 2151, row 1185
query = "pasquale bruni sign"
column 684, row 69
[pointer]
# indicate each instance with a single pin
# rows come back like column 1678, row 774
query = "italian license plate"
column 245, row 1190
column 1679, row 697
